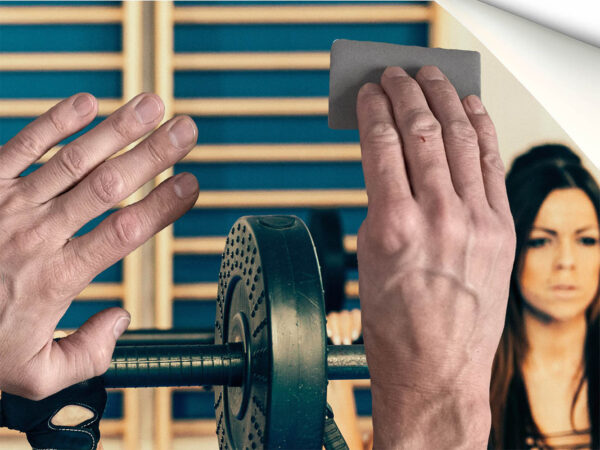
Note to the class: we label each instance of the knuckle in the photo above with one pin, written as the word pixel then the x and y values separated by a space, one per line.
pixel 123 128
pixel 385 244
pixel 400 230
pixel 441 88
pixel 107 185
pixel 453 229
pixel 487 129
pixel 26 192
pixel 422 123
pixel 381 134
pixel 71 161
pixel 493 163
pixel 449 217
pixel 407 85
pixel 57 121
pixel 125 229
pixel 460 132
pixel 374 104
pixel 95 357
pixel 157 155
pixel 29 238
pixel 408 227
pixel 100 360
pixel 28 143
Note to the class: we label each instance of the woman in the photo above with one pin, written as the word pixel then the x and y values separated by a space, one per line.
pixel 545 379
pixel 544 390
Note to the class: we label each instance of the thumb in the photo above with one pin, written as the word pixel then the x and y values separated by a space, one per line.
pixel 87 352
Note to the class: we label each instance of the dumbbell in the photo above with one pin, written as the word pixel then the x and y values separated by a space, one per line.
pixel 269 362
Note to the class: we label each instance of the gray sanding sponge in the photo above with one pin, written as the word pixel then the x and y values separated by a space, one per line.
pixel 354 63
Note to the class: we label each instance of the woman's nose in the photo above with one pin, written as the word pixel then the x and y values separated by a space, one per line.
pixel 565 259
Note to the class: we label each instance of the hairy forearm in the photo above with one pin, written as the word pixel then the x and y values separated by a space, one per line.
pixel 405 419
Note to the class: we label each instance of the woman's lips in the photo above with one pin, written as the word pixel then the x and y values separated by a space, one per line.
pixel 564 290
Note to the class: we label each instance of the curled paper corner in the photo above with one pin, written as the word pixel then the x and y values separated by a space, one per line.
pixel 575 18
pixel 561 74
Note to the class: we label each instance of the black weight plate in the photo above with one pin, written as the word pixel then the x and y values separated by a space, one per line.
pixel 326 229
pixel 271 298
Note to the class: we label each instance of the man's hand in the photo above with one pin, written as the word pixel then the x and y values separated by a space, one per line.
pixel 435 255
pixel 343 327
pixel 42 268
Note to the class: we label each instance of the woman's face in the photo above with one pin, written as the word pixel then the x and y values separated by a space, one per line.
pixel 561 268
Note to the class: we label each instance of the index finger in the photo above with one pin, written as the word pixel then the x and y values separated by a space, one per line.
pixel 381 150
pixel 58 123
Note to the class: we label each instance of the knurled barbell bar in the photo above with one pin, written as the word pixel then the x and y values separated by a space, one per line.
pixel 269 363
pixel 177 336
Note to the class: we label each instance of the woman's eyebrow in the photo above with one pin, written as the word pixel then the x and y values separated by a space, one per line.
pixel 554 233
pixel 547 230
pixel 589 227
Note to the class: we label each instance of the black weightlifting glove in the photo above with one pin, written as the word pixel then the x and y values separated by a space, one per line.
pixel 35 417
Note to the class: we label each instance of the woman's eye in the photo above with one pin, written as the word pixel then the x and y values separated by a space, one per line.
pixel 588 241
pixel 537 243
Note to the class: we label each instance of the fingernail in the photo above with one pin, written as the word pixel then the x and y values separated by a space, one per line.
pixel 121 326
pixel 147 110
pixel 431 73
pixel 83 105
pixel 329 333
pixel 336 340
pixel 347 341
pixel 355 335
pixel 393 72
pixel 182 133
pixel 185 185
pixel 475 105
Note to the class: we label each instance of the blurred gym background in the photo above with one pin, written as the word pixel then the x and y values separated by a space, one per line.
pixel 254 76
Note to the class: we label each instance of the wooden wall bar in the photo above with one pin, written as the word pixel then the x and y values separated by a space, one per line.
pixel 263 153
pixel 132 264
pixel 163 309
pixel 36 107
pixel 372 13
pixel 329 198
pixel 252 61
pixel 215 107
pixel 60 61
pixel 30 15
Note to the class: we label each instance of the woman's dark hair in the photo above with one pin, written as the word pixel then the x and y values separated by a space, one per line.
pixel 531 178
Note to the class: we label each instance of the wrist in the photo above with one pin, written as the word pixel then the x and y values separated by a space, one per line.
pixel 405 418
